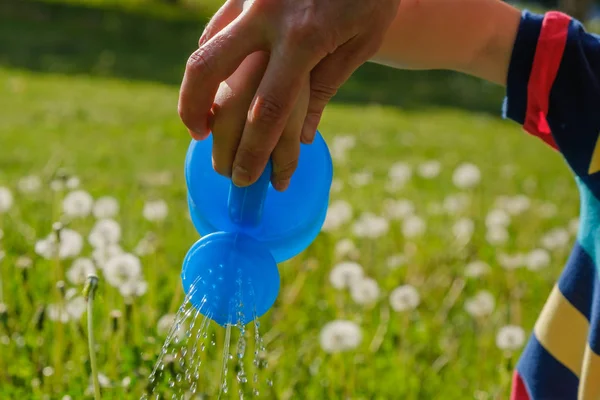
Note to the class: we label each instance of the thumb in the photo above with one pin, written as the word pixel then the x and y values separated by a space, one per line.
pixel 223 17
pixel 328 76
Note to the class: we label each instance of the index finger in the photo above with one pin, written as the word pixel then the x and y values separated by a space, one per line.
pixel 211 64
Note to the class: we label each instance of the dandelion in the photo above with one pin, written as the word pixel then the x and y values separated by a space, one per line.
pixel 476 269
pixel 364 291
pixel 371 226
pixel 338 214
pixel 78 204
pixel 69 245
pixel 466 176
pixel 105 232
pixel 339 336
pixel 413 227
pixel 336 185
pixel 497 218
pixel 480 305
pixel 340 145
pixel 395 261
pixel 101 255
pixel 29 184
pixel 75 307
pixel 57 313
pixel 456 203
pixel 156 210
pixel 23 262
pixel 79 271
pixel 496 235
pixel 165 323
pixel 537 259
pixel 398 209
pixel 72 182
pixel 404 298
pixel 346 248
pixel 463 230
pixel 510 262
pixel 429 169
pixel 361 178
pixel 556 239
pixel 510 338
pixel 6 199
pixel 48 371
pixel 548 210
pixel 122 269
pixel 133 288
pixel 105 207
pixel 345 274
pixel 146 245
pixel 400 173
pixel 515 205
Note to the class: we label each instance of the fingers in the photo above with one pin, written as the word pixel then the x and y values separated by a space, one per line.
pixel 327 77
pixel 208 66
pixel 267 117
pixel 226 14
pixel 231 109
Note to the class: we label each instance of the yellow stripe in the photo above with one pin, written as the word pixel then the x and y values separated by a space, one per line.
pixel 589 385
pixel 563 331
pixel 595 161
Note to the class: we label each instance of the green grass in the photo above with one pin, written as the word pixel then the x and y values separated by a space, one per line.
pixel 101 105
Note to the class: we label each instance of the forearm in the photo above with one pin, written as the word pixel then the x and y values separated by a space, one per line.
pixel 471 36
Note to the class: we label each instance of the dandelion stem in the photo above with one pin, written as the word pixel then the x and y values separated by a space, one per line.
pixel 89 292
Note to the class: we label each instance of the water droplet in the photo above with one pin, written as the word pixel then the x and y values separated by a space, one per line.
pixel 270 382
pixel 255 392
pixel 213 343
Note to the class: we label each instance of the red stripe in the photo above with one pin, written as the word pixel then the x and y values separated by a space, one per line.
pixel 548 54
pixel 519 391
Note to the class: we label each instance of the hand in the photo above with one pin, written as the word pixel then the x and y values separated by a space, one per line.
pixel 326 39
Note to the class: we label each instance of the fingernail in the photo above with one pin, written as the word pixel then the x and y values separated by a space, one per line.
pixel 240 176
pixel 282 184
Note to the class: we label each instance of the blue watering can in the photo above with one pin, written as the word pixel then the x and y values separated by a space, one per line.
pixel 230 275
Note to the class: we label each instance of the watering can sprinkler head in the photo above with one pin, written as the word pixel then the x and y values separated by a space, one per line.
pixel 231 274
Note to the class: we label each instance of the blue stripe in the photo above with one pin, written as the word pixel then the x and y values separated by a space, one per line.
pixel 577 281
pixel 544 376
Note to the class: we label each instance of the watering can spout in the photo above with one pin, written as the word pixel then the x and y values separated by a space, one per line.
pixel 246 204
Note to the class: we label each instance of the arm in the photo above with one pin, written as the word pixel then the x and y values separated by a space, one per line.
pixel 471 36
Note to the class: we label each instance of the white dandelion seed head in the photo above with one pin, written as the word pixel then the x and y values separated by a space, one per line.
pixel 396 260
pixel 413 226
pixel 497 218
pixel 429 169
pixel 336 186
pixel 29 184
pixel 510 338
pixel 476 269
pixel 101 255
pixel 547 210
pixel 480 305
pixel 370 226
pixel 456 203
pixel 6 199
pixel 537 259
pixel 497 235
pixel 573 226
pixel 466 176
pixel 146 245
pixel 340 145
pixel 105 232
pixel 510 262
pixel 133 288
pixel 340 336
pixel 80 269
pixel 166 322
pixel 346 248
pixel 23 262
pixel 338 214
pixel 365 291
pixel 155 210
pixel 105 207
pixel 463 230
pixel 57 313
pixel 78 204
pixel 404 298
pixel 398 209
pixel 72 182
pixel 400 173
pixel 69 245
pixel 122 269
pixel 514 205
pixel 57 185
pixel 75 307
pixel 361 178
pixel 345 274
pixel 556 239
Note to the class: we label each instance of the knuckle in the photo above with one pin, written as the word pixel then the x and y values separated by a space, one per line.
pixel 285 169
pixel 251 159
pixel 322 91
pixel 199 63
pixel 268 110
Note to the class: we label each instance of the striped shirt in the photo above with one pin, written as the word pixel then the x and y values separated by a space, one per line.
pixel 553 90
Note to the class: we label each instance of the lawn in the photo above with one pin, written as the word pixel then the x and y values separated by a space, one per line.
pixel 96 112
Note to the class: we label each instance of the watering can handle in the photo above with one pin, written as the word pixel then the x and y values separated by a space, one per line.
pixel 246 204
